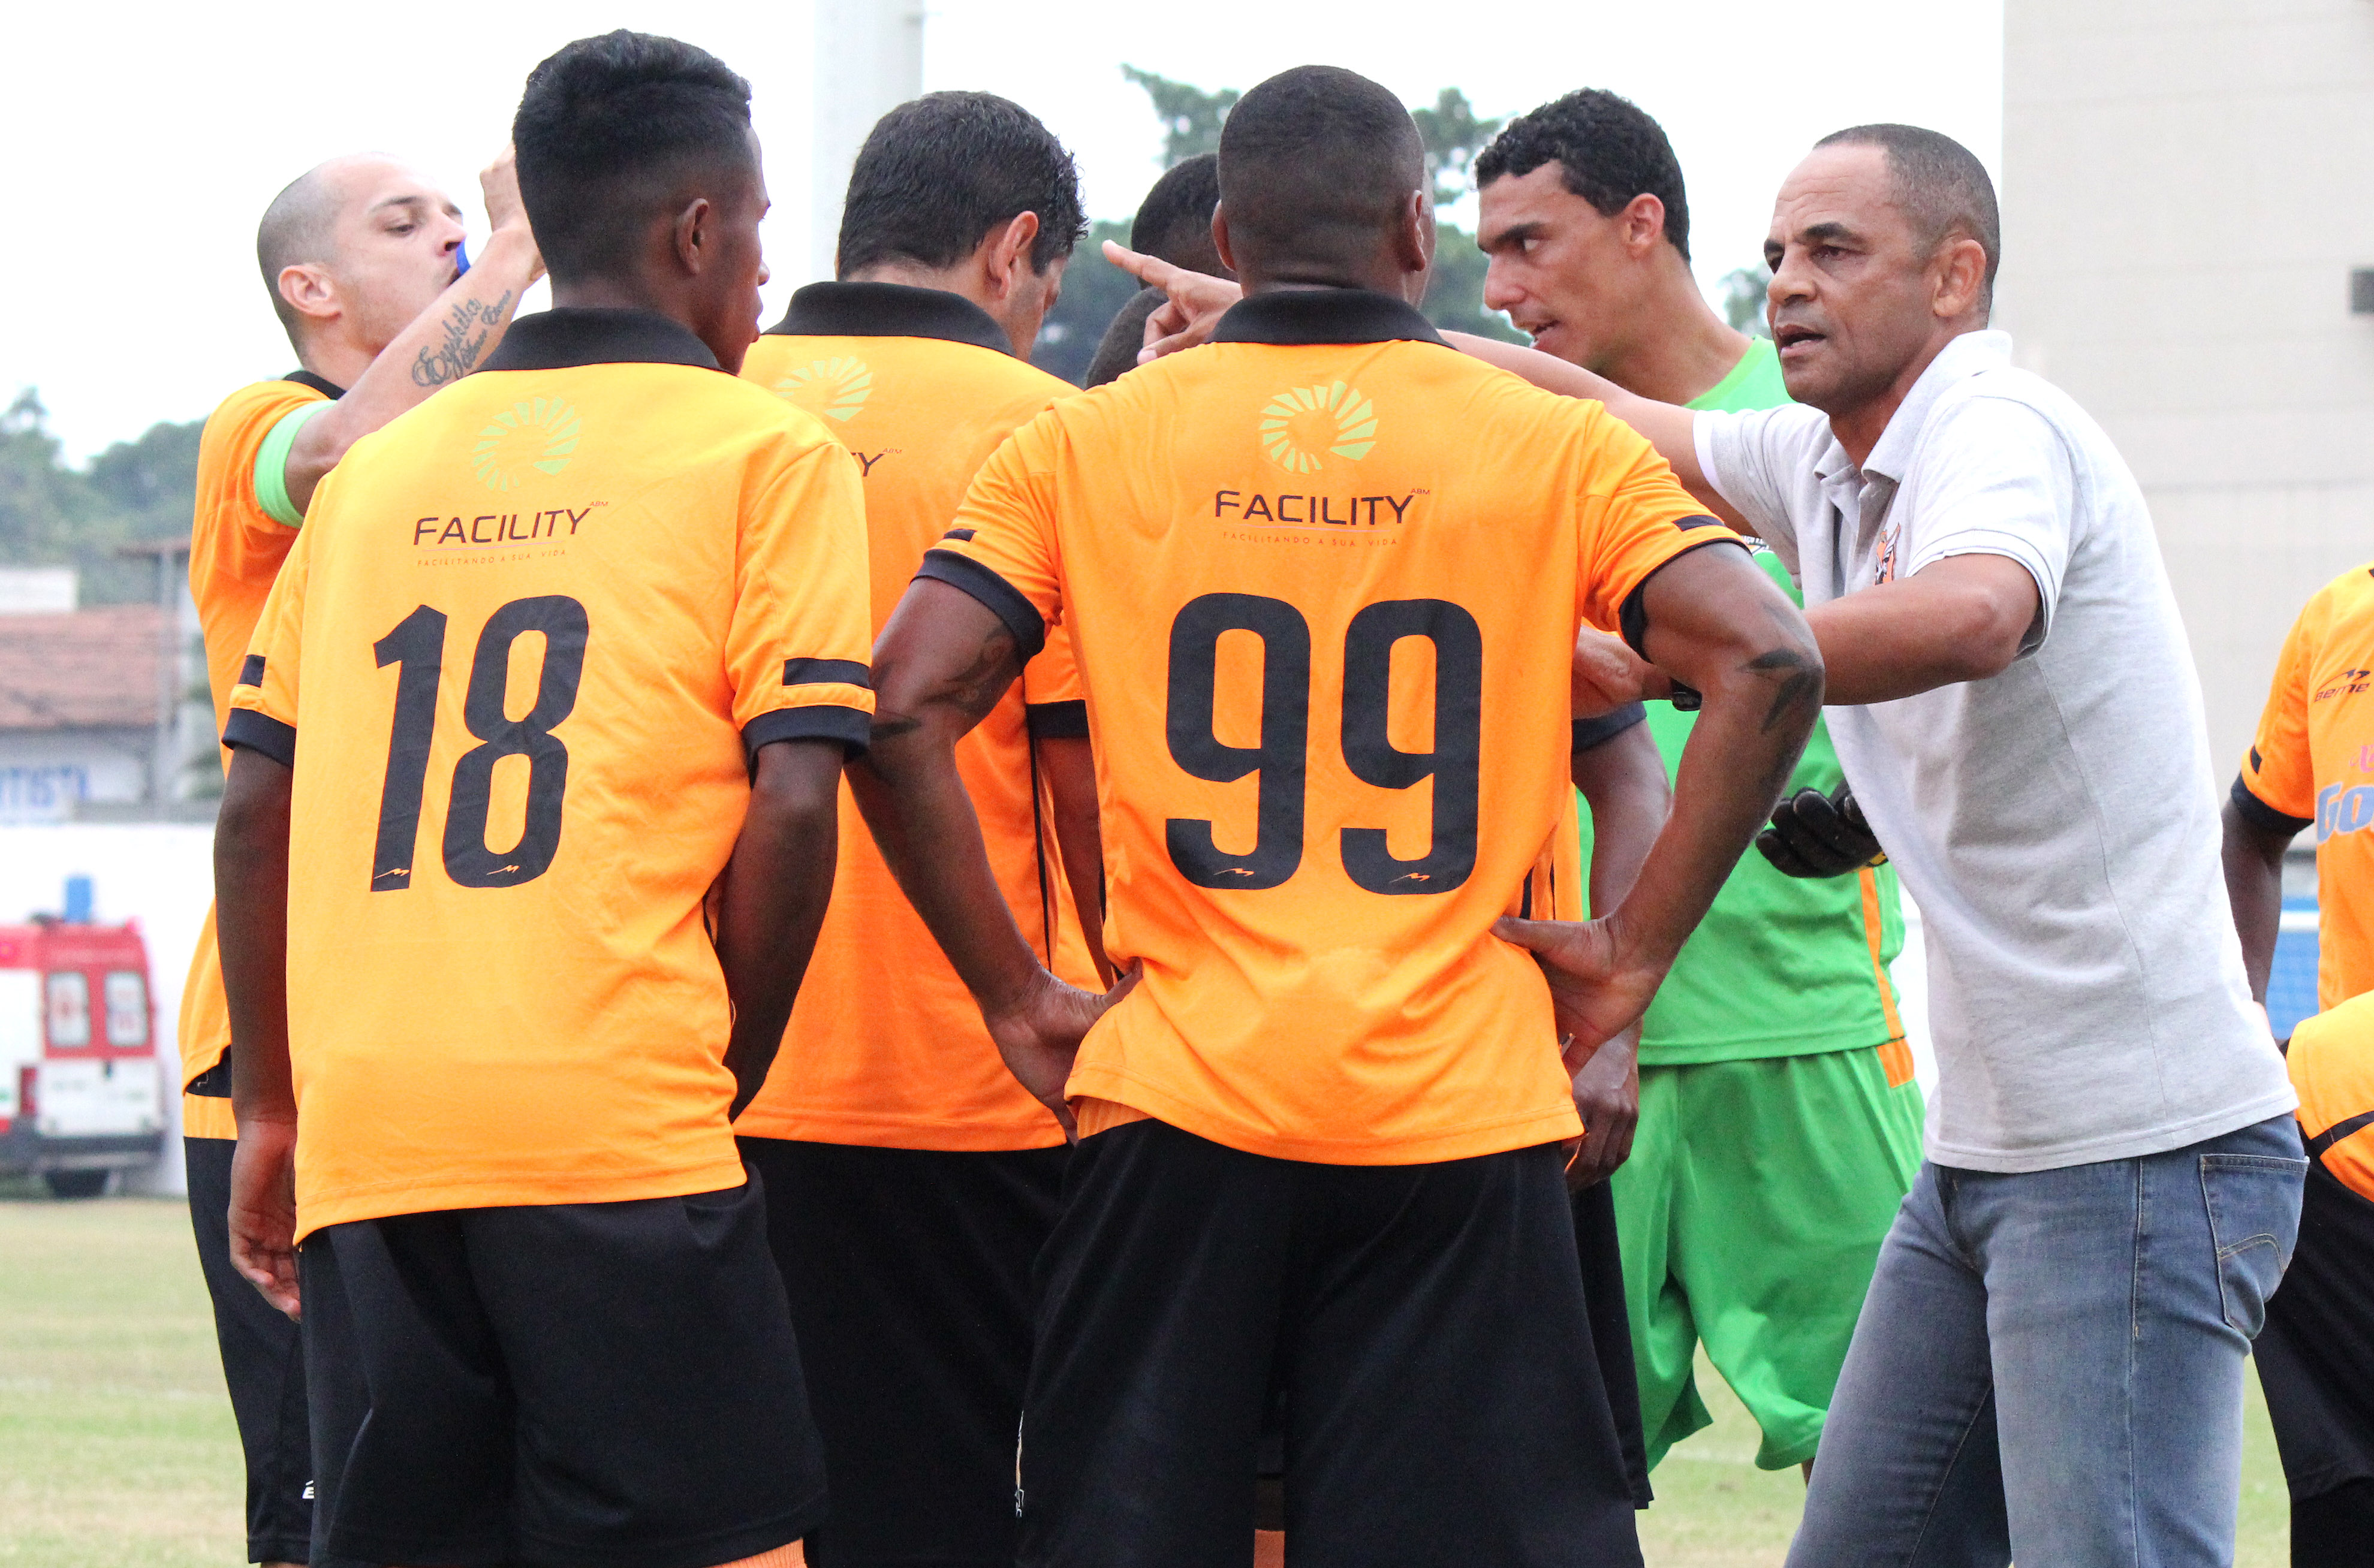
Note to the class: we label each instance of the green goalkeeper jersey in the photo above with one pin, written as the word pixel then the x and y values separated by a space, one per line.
pixel 1781 965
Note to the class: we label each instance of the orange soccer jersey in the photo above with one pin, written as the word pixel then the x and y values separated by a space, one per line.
pixel 1322 579
pixel 235 552
pixel 885 1046
pixel 2312 765
pixel 2331 1063
pixel 520 660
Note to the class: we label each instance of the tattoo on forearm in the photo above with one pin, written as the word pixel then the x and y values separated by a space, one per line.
pixel 467 328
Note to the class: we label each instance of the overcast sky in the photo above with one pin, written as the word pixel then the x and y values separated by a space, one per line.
pixel 143 141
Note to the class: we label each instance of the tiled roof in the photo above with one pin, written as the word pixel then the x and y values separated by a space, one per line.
pixel 86 669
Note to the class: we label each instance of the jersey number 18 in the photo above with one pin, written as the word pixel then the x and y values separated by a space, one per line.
pixel 416 646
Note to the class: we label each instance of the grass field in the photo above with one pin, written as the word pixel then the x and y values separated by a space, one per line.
pixel 116 1443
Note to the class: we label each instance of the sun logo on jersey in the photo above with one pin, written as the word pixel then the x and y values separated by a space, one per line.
pixel 835 389
pixel 1303 425
pixel 537 433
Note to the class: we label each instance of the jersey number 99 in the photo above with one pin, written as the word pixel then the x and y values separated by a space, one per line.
pixel 1368 751
pixel 416 646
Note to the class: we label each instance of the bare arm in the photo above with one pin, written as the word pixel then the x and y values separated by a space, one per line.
pixel 1719 623
pixel 1960 619
pixel 444 344
pixel 1071 768
pixel 1623 780
pixel 2253 856
pixel 252 935
pixel 1667 426
pixel 941 663
pixel 777 885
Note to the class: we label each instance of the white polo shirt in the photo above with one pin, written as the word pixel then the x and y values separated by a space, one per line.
pixel 2057 824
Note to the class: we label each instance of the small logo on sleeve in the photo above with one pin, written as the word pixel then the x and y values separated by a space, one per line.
pixel 1303 427
pixel 537 433
pixel 832 389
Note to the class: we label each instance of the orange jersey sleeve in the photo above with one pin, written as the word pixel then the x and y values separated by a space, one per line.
pixel 2279 768
pixel 800 636
pixel 1635 517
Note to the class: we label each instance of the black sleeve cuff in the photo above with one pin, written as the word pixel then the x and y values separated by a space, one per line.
pixel 262 733
pixel 2264 817
pixel 1590 732
pixel 1057 720
pixel 817 722
pixel 1633 619
pixel 962 572
pixel 823 672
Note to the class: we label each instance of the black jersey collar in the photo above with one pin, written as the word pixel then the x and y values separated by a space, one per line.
pixel 322 384
pixel 576 335
pixel 888 309
pixel 1324 315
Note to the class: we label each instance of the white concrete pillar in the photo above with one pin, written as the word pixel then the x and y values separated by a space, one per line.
pixel 869 58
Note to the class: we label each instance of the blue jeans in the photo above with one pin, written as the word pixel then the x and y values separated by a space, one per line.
pixel 2049 1367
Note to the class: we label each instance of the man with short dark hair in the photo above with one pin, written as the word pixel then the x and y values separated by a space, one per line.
pixel 362 258
pixel 911 1181
pixel 2049 1367
pixel 1780 1125
pixel 503 962
pixel 1174 222
pixel 1321 1127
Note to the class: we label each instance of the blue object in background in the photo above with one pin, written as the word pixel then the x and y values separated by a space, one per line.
pixel 2291 984
pixel 78 901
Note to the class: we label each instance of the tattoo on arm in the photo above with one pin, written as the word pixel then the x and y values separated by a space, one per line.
pixel 1801 685
pixel 468 329
pixel 972 691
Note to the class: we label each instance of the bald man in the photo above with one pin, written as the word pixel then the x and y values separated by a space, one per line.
pixel 363 260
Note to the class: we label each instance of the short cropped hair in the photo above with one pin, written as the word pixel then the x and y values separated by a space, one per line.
pixel 939 172
pixel 1315 164
pixel 297 230
pixel 1609 150
pixel 1940 183
pixel 1174 222
pixel 607 131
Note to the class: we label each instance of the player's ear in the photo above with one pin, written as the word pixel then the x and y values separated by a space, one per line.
pixel 1220 237
pixel 1960 269
pixel 1414 238
pixel 310 291
pixel 1004 250
pixel 1644 223
pixel 689 235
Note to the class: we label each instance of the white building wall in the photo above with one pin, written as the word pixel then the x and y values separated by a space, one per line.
pixel 2187 185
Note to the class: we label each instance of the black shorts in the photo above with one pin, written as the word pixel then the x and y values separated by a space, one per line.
pixel 2316 1353
pixel 1611 1328
pixel 1443 1402
pixel 562 1385
pixel 909 1277
pixel 264 1363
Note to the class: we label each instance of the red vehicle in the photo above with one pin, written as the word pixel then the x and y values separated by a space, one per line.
pixel 79 1091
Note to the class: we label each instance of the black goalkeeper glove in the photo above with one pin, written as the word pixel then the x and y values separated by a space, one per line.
pixel 1814 835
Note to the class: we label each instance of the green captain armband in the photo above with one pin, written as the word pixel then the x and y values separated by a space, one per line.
pixel 271 464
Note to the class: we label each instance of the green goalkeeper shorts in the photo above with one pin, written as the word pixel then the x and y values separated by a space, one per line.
pixel 1750 1215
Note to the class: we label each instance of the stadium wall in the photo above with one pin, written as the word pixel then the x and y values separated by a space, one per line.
pixel 2188 187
